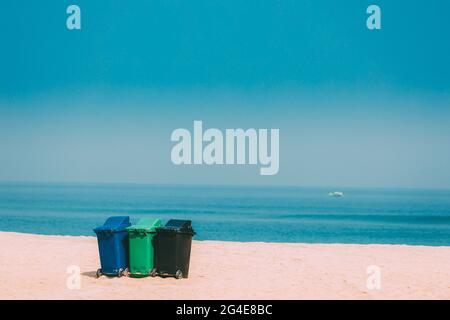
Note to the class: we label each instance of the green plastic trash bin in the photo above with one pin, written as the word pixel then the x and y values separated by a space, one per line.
pixel 141 248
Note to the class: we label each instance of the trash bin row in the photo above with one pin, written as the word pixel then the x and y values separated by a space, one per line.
pixel 146 248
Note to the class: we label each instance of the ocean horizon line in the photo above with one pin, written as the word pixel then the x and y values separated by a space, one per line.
pixel 207 185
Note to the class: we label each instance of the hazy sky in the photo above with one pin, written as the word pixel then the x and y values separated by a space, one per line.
pixel 354 107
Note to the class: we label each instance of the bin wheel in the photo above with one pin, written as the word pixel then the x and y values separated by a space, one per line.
pixel 99 273
pixel 120 273
pixel 179 274
pixel 153 273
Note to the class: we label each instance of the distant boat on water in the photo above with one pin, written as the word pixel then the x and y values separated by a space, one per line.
pixel 336 194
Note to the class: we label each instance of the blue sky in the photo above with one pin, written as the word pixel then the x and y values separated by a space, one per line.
pixel 354 107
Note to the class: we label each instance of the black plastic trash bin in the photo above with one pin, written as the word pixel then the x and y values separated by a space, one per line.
pixel 173 249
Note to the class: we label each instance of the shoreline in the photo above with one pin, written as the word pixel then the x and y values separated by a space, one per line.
pixel 38 267
pixel 250 242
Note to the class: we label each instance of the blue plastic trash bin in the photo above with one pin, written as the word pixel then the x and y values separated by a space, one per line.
pixel 112 239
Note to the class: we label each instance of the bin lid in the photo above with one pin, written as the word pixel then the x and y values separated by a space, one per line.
pixel 114 224
pixel 146 224
pixel 176 225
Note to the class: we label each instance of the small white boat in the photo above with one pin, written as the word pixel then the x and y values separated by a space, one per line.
pixel 336 194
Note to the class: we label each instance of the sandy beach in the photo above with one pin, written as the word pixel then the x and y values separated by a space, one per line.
pixel 36 267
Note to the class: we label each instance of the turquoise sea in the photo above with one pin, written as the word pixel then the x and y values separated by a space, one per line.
pixel 281 214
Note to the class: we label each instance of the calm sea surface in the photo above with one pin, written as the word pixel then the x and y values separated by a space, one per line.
pixel 236 213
